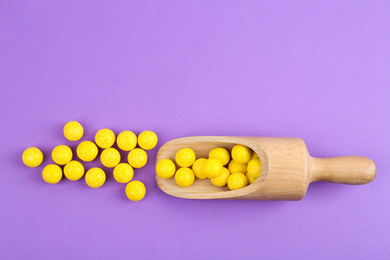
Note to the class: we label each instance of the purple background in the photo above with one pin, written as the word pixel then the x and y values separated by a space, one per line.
pixel 319 71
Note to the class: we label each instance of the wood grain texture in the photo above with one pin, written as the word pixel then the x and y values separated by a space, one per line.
pixel 287 168
pixel 343 169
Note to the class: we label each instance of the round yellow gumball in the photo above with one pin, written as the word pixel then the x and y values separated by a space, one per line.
pixel 135 190
pixel 197 168
pixel 221 154
pixel 221 180
pixel 237 167
pixel 254 156
pixel 73 131
pixel 250 179
pixel 165 169
pixel 241 154
pixel 95 177
pixel 52 173
pixel 87 151
pixel 32 157
pixel 254 168
pixel 137 158
pixel 237 180
pixel 126 140
pixel 105 138
pixel 185 157
pixel 110 157
pixel 212 168
pixel 184 177
pixel 123 173
pixel 74 170
pixel 62 154
pixel 147 140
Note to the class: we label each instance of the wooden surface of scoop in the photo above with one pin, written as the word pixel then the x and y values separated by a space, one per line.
pixel 287 169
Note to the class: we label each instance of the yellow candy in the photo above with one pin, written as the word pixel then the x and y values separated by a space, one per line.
pixel 74 170
pixel 237 167
pixel 221 154
pixel 32 157
pixel 165 169
pixel 110 157
pixel 135 190
pixel 105 138
pixel 237 180
pixel 123 173
pixel 62 154
pixel 147 140
pixel 126 140
pixel 250 179
pixel 212 168
pixel 254 156
pixel 254 168
pixel 184 177
pixel 87 151
pixel 197 168
pixel 137 158
pixel 95 177
pixel 185 157
pixel 73 131
pixel 241 154
pixel 52 173
pixel 221 180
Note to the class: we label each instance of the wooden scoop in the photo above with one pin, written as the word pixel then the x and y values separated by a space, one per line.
pixel 287 169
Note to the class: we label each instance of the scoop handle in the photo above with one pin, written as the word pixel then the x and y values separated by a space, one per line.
pixel 343 169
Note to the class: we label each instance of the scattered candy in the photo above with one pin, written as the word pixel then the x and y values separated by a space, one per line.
pixel 74 170
pixel 137 158
pixel 126 140
pixel 244 167
pixel 123 173
pixel 73 131
pixel 95 177
pixel 135 190
pixel 52 173
pixel 147 140
pixel 165 169
pixel 185 157
pixel 32 157
pixel 87 151
pixel 105 138
pixel 110 157
pixel 184 177
pixel 62 154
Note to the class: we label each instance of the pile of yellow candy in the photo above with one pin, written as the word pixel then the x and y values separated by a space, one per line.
pixel 243 168
pixel 87 151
